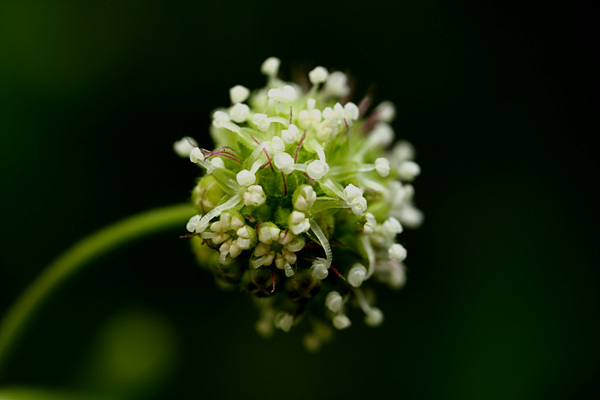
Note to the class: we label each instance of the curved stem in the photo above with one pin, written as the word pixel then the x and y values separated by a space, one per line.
pixel 79 255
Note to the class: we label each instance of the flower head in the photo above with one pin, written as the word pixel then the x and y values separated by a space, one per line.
pixel 302 201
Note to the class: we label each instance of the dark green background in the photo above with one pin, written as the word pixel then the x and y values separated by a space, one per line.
pixel 502 296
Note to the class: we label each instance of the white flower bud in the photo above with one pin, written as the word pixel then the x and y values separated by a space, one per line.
pixel 299 223
pixel 261 121
pixel 276 145
pixel 283 321
pixel 285 94
pixel 386 111
pixel 374 317
pixel 270 66
pixel 397 252
pixel 408 170
pixel 184 147
pixel 217 162
pixel 220 118
pixel 238 94
pixel 391 227
pixel 341 321
pixel 337 84
pixel 382 166
pixel 239 112
pixel 357 275
pixel 245 178
pixel 255 196
pixel 318 75
pixel 369 226
pixel 317 169
pixel 193 223
pixel 318 269
pixel 334 301
pixel 290 135
pixel 382 135
pixel 196 155
pixel 284 162
pixel 268 232
pixel 351 112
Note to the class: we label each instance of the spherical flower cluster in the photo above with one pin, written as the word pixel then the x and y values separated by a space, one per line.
pixel 302 201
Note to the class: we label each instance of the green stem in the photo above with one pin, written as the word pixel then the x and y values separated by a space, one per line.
pixel 79 255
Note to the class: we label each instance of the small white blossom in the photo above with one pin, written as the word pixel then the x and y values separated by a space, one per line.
pixel 374 317
pixel 261 121
pixel 382 135
pixel 351 112
pixel 284 321
pixel 193 223
pixel 309 118
pixel 238 94
pixel 386 111
pixel 276 145
pixel 382 166
pixel 285 94
pixel 318 75
pixel 408 170
pixel 319 269
pixel 217 162
pixel 397 252
pixel 255 196
pixel 357 275
pixel 391 227
pixel 337 84
pixel 268 232
pixel 299 223
pixel 245 177
pixel 184 146
pixel 369 226
pixel 334 301
pixel 284 162
pixel 355 199
pixel 220 118
pixel 196 155
pixel 290 135
pixel 270 66
pixel 305 198
pixel 341 321
pixel 317 169
pixel 239 112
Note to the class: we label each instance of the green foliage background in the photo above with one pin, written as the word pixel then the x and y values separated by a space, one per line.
pixel 501 301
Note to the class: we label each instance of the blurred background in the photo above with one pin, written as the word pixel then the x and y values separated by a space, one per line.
pixel 502 293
